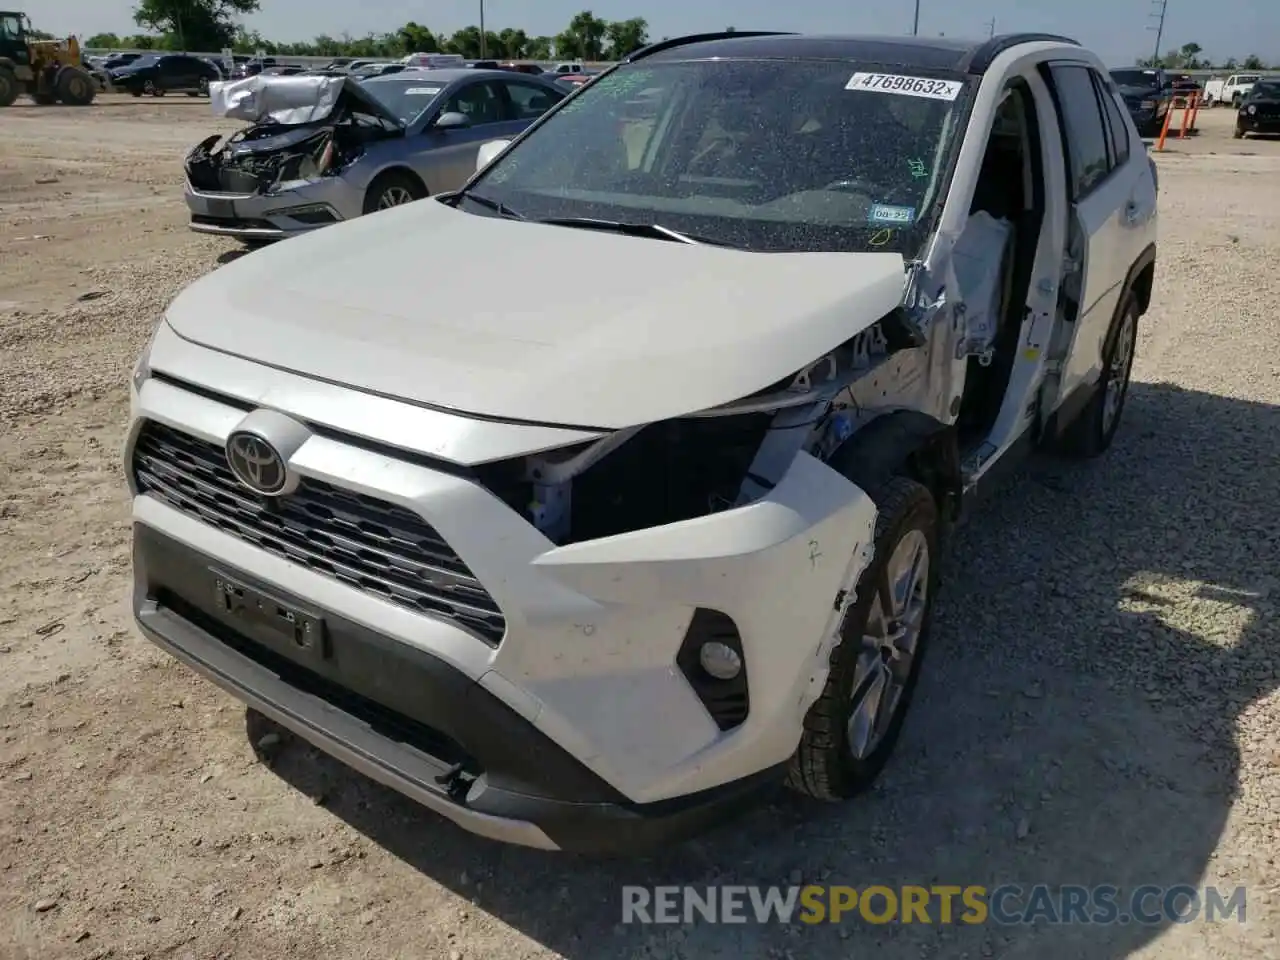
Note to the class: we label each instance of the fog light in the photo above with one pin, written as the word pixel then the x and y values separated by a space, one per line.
pixel 719 660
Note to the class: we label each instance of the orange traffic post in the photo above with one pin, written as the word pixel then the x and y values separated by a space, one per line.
pixel 1195 109
pixel 1186 115
pixel 1164 130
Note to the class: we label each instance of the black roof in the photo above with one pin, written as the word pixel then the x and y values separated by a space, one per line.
pixel 928 53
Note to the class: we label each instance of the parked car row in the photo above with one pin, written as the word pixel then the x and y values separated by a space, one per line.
pixel 1259 109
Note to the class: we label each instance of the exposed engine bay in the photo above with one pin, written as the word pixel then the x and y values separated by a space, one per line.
pixel 679 469
pixel 273 152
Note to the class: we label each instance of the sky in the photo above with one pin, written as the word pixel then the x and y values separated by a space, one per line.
pixel 1117 30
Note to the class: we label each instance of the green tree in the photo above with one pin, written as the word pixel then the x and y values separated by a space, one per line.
pixel 1252 62
pixel 513 44
pixel 626 37
pixel 1189 56
pixel 193 24
pixel 583 39
pixel 1230 63
pixel 415 38
pixel 103 41
pixel 539 48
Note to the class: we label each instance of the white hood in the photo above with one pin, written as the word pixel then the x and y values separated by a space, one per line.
pixel 535 323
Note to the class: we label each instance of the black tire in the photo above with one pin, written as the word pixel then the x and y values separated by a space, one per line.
pixel 1091 433
pixel 392 183
pixel 9 87
pixel 202 88
pixel 1237 134
pixel 75 87
pixel 135 92
pixel 44 99
pixel 824 765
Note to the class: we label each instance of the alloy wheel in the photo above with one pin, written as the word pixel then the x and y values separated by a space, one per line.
pixel 1118 371
pixel 394 197
pixel 889 643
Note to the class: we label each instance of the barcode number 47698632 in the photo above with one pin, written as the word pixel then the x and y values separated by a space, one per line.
pixel 909 86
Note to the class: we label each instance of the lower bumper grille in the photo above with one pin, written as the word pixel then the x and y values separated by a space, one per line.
pixel 373 545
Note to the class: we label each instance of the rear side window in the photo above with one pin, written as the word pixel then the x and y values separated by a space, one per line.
pixel 529 101
pixel 1115 122
pixel 1087 136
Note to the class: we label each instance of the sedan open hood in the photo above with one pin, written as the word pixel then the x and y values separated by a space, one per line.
pixel 292 99
pixel 534 323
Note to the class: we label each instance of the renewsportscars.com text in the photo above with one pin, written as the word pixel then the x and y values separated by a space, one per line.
pixel 1008 904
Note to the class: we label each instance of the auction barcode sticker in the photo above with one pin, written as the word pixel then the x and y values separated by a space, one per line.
pixel 908 86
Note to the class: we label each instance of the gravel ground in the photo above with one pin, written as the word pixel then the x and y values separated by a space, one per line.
pixel 1100 706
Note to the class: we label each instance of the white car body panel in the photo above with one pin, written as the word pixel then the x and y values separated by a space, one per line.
pixel 592 628
pixel 607 347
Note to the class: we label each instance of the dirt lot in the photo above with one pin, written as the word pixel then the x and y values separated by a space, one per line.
pixel 1100 707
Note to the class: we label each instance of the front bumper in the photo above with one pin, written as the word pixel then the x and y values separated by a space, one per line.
pixel 588 734
pixel 1264 123
pixel 333 707
pixel 271 216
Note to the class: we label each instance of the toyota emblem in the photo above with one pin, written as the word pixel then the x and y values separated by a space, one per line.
pixel 256 463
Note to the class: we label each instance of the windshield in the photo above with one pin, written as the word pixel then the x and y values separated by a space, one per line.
pixel 406 98
pixel 761 154
pixel 1270 89
pixel 1136 78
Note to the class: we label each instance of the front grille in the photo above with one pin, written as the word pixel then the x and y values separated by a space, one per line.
pixel 378 547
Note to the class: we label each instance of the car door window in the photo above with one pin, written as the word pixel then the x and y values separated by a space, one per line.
pixel 1117 128
pixel 479 102
pixel 1087 136
pixel 528 101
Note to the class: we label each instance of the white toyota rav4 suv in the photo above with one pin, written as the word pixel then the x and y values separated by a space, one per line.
pixel 594 500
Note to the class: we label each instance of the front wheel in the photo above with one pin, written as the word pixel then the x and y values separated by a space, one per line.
pixel 851 729
pixel 1237 134
pixel 393 189
pixel 9 88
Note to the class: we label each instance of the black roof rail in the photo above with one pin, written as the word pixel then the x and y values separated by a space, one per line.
pixel 671 42
pixel 982 56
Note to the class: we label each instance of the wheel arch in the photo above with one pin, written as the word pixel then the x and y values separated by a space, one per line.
pixel 1141 277
pixel 905 443
pixel 398 168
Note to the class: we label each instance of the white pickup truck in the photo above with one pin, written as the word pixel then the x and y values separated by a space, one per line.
pixel 1231 90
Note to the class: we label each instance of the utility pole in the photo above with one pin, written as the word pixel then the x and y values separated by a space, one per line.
pixel 484 50
pixel 915 26
pixel 1158 12
pixel 991 27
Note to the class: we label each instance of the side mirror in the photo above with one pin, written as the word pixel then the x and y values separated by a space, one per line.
pixel 488 151
pixel 451 121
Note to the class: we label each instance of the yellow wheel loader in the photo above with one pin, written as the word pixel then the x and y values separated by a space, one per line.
pixel 48 71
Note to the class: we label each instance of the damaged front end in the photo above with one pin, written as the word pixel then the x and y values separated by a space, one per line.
pixel 288 144
pixel 680 469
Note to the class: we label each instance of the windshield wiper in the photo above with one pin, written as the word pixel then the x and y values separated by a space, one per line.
pixel 496 205
pixel 654 230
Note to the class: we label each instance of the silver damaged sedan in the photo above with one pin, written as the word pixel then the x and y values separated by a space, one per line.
pixel 322 149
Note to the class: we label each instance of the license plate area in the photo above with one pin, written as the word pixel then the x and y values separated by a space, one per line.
pixel 221 209
pixel 284 626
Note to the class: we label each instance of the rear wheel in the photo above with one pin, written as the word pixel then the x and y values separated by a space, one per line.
pixel 74 87
pixel 9 87
pixel 851 730
pixel 393 189
pixel 202 88
pixel 1092 432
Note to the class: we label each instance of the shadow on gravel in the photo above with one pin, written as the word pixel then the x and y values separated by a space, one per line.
pixel 1074 725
